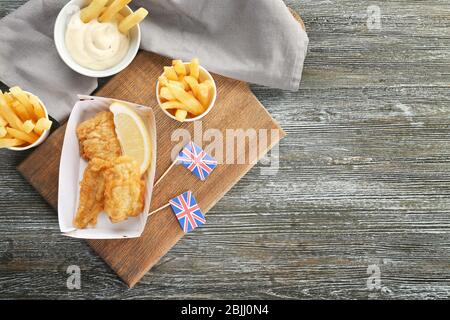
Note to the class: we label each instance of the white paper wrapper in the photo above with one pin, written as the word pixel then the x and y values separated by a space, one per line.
pixel 72 168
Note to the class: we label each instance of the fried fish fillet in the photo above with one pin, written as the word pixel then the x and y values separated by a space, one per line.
pixel 98 138
pixel 124 189
pixel 92 191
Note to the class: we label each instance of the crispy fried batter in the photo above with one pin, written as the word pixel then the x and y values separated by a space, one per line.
pixel 124 190
pixel 98 138
pixel 92 190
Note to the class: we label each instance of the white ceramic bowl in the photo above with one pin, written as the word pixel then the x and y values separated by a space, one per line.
pixel 203 75
pixel 60 32
pixel 43 136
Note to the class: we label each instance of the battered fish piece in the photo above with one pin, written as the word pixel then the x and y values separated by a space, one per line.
pixel 92 191
pixel 98 138
pixel 124 189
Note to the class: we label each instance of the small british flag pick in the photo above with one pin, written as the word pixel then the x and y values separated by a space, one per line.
pixel 196 160
pixel 187 211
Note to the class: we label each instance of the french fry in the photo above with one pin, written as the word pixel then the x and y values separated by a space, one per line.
pixel 195 107
pixel 181 115
pixel 180 68
pixel 119 18
pixel 174 104
pixel 163 81
pixel 3 122
pixel 21 111
pixel 179 84
pixel 193 84
pixel 37 107
pixel 9 98
pixel 8 143
pixel 3 132
pixel 174 62
pixel 194 70
pixel 113 9
pixel 204 95
pixel 132 20
pixel 211 88
pixel 8 114
pixel 22 97
pixel 21 135
pixel 42 125
pixel 93 10
pixel 165 94
pixel 170 73
pixel 29 126
pixel 185 84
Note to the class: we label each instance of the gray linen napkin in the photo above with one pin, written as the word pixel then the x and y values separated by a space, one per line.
pixel 256 41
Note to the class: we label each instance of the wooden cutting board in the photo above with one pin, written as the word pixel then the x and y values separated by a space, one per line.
pixel 236 108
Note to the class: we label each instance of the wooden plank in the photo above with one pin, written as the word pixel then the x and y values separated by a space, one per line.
pixel 236 108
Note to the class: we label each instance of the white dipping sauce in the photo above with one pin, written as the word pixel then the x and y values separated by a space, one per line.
pixel 95 45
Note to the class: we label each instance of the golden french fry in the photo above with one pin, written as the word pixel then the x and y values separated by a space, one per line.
pixel 181 115
pixel 9 98
pixel 203 95
pixel 20 110
pixel 211 88
pixel 28 126
pixel 8 114
pixel 42 125
pixel 170 74
pixel 180 68
pixel 163 81
pixel 37 107
pixel 93 10
pixel 179 84
pixel 22 97
pixel 132 20
pixel 3 122
pixel 3 132
pixel 8 143
pixel 174 104
pixel 119 18
pixel 193 84
pixel 113 9
pixel 194 70
pixel 21 135
pixel 174 62
pixel 195 107
pixel 185 84
pixel 165 93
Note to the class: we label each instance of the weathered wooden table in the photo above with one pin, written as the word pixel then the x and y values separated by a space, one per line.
pixel 363 186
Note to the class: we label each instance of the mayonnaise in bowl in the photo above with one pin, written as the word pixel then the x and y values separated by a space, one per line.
pixel 95 45
pixel 92 54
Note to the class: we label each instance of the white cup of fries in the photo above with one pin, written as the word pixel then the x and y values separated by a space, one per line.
pixel 94 10
pixel 24 121
pixel 183 109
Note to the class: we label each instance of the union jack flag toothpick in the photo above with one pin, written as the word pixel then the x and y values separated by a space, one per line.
pixel 196 160
pixel 187 211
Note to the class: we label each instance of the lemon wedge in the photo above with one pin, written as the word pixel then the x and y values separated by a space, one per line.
pixel 132 134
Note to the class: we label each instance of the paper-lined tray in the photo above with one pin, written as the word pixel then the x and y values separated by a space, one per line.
pixel 72 167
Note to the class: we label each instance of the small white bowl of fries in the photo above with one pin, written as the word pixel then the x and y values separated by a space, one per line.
pixel 106 39
pixel 186 91
pixel 24 122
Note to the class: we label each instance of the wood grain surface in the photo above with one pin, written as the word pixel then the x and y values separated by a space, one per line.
pixel 363 180
pixel 236 108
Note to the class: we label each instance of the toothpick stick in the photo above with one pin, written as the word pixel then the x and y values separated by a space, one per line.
pixel 165 173
pixel 157 210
